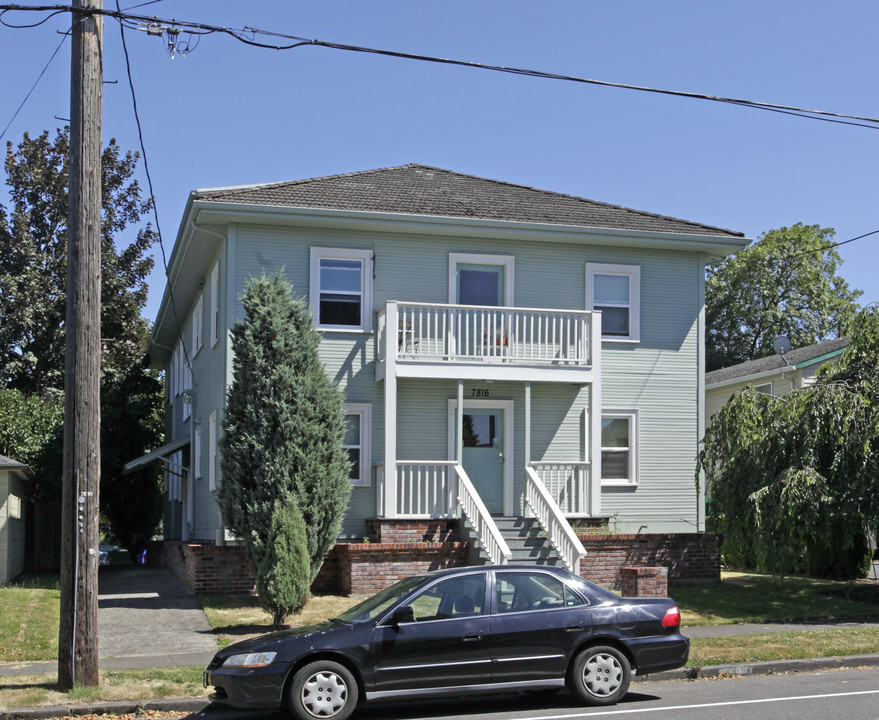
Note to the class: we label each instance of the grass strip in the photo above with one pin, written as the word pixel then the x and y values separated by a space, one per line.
pixel 22 691
pixel 783 646
pixel 29 621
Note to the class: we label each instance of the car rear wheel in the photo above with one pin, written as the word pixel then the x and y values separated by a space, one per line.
pixel 600 675
pixel 323 689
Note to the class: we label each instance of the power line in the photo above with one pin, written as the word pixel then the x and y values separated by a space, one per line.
pixel 832 245
pixel 248 36
pixel 33 87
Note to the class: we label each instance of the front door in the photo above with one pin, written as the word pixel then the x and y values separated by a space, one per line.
pixel 487 434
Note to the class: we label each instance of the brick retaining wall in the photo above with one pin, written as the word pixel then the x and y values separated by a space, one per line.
pixel 644 582
pixel 689 557
pixel 363 568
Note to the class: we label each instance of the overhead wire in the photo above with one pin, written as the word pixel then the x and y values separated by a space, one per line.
pixel 33 87
pixel 248 35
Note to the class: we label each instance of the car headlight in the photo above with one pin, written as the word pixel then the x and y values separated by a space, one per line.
pixel 248 660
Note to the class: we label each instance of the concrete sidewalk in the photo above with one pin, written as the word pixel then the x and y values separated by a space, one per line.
pixel 145 619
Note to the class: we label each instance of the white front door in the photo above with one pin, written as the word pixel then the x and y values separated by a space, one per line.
pixel 487 450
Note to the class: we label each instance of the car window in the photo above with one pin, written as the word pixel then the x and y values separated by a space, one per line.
pixel 374 606
pixel 452 598
pixel 518 591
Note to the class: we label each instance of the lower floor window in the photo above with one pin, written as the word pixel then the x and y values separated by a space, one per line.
pixel 619 446
pixel 358 421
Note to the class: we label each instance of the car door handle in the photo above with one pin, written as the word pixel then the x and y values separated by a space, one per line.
pixel 573 628
pixel 469 638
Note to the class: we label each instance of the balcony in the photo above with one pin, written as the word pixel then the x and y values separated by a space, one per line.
pixel 483 342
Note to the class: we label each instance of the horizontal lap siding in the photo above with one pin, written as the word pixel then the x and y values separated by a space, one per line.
pixel 658 376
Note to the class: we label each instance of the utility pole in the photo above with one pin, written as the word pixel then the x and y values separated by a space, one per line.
pixel 78 631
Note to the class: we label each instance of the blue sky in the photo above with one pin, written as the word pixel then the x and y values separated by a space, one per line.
pixel 229 114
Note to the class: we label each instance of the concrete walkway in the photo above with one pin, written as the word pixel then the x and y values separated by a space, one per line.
pixel 145 619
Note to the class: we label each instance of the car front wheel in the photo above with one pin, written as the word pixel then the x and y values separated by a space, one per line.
pixel 323 689
pixel 600 675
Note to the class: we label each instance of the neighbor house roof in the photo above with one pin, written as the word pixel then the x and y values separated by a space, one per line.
pixel 422 190
pixel 10 464
pixel 799 358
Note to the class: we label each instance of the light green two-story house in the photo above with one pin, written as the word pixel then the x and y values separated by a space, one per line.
pixel 504 351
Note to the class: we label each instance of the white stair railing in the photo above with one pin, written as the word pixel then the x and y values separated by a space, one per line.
pixel 477 514
pixel 568 485
pixel 558 530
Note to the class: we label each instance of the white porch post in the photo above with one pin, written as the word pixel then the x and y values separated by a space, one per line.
pixel 459 430
pixel 595 417
pixel 390 490
pixel 527 423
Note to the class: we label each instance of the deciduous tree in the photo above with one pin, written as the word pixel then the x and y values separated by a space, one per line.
pixel 785 283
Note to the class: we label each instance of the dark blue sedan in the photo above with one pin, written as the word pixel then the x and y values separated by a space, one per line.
pixel 466 630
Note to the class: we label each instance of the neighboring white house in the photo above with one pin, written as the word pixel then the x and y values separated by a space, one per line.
pixel 14 479
pixel 503 350
pixel 773 375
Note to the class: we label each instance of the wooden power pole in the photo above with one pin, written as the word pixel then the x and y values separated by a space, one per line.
pixel 78 631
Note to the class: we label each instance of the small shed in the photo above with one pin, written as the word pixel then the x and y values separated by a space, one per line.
pixel 14 479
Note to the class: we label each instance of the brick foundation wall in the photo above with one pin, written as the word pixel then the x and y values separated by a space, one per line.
pixel 209 568
pixel 412 531
pixel 644 581
pixel 688 557
pixel 374 566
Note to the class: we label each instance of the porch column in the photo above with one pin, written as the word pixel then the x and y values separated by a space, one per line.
pixel 527 423
pixel 459 430
pixel 390 489
pixel 594 448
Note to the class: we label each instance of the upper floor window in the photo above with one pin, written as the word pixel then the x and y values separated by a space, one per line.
pixel 197 325
pixel 341 288
pixel 619 447
pixel 615 290
pixel 358 421
pixel 481 279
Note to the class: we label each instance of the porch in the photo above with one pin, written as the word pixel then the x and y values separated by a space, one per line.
pixel 514 346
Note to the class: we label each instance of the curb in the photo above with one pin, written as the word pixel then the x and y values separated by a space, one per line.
pixel 194 705
pixel 120 707
pixel 772 667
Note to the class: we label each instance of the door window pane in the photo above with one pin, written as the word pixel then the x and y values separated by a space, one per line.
pixel 480 431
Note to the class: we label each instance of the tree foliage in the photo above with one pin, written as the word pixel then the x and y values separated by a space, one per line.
pixel 27 425
pixel 795 479
pixel 786 283
pixel 33 289
pixel 33 263
pixel 285 571
pixel 283 426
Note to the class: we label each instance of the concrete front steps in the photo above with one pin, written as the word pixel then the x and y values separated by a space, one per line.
pixel 526 540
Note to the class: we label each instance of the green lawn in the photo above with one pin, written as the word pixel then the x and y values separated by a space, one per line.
pixel 751 598
pixel 29 620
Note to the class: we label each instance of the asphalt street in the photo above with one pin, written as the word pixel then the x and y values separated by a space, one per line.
pixel 849 694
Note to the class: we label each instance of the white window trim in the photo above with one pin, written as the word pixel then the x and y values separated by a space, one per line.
pixel 197 325
pixel 196 452
pixel 212 451
pixel 633 417
pixel 364 412
pixel 633 272
pixel 187 388
pixel 508 261
pixel 215 304
pixel 764 388
pixel 362 256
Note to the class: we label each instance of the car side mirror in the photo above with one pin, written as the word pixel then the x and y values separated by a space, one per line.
pixel 402 615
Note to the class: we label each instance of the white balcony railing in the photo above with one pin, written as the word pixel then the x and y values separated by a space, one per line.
pixel 435 333
pixel 558 530
pixel 485 528
pixel 567 484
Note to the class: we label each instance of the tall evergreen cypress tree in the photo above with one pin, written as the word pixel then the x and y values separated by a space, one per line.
pixel 284 425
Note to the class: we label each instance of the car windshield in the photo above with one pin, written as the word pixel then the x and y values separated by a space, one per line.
pixel 374 606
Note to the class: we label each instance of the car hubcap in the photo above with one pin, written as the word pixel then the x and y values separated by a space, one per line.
pixel 324 694
pixel 602 675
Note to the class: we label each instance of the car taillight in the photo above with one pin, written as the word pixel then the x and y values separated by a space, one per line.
pixel 672 617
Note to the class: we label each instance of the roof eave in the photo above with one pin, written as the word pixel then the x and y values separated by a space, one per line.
pixel 219 213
